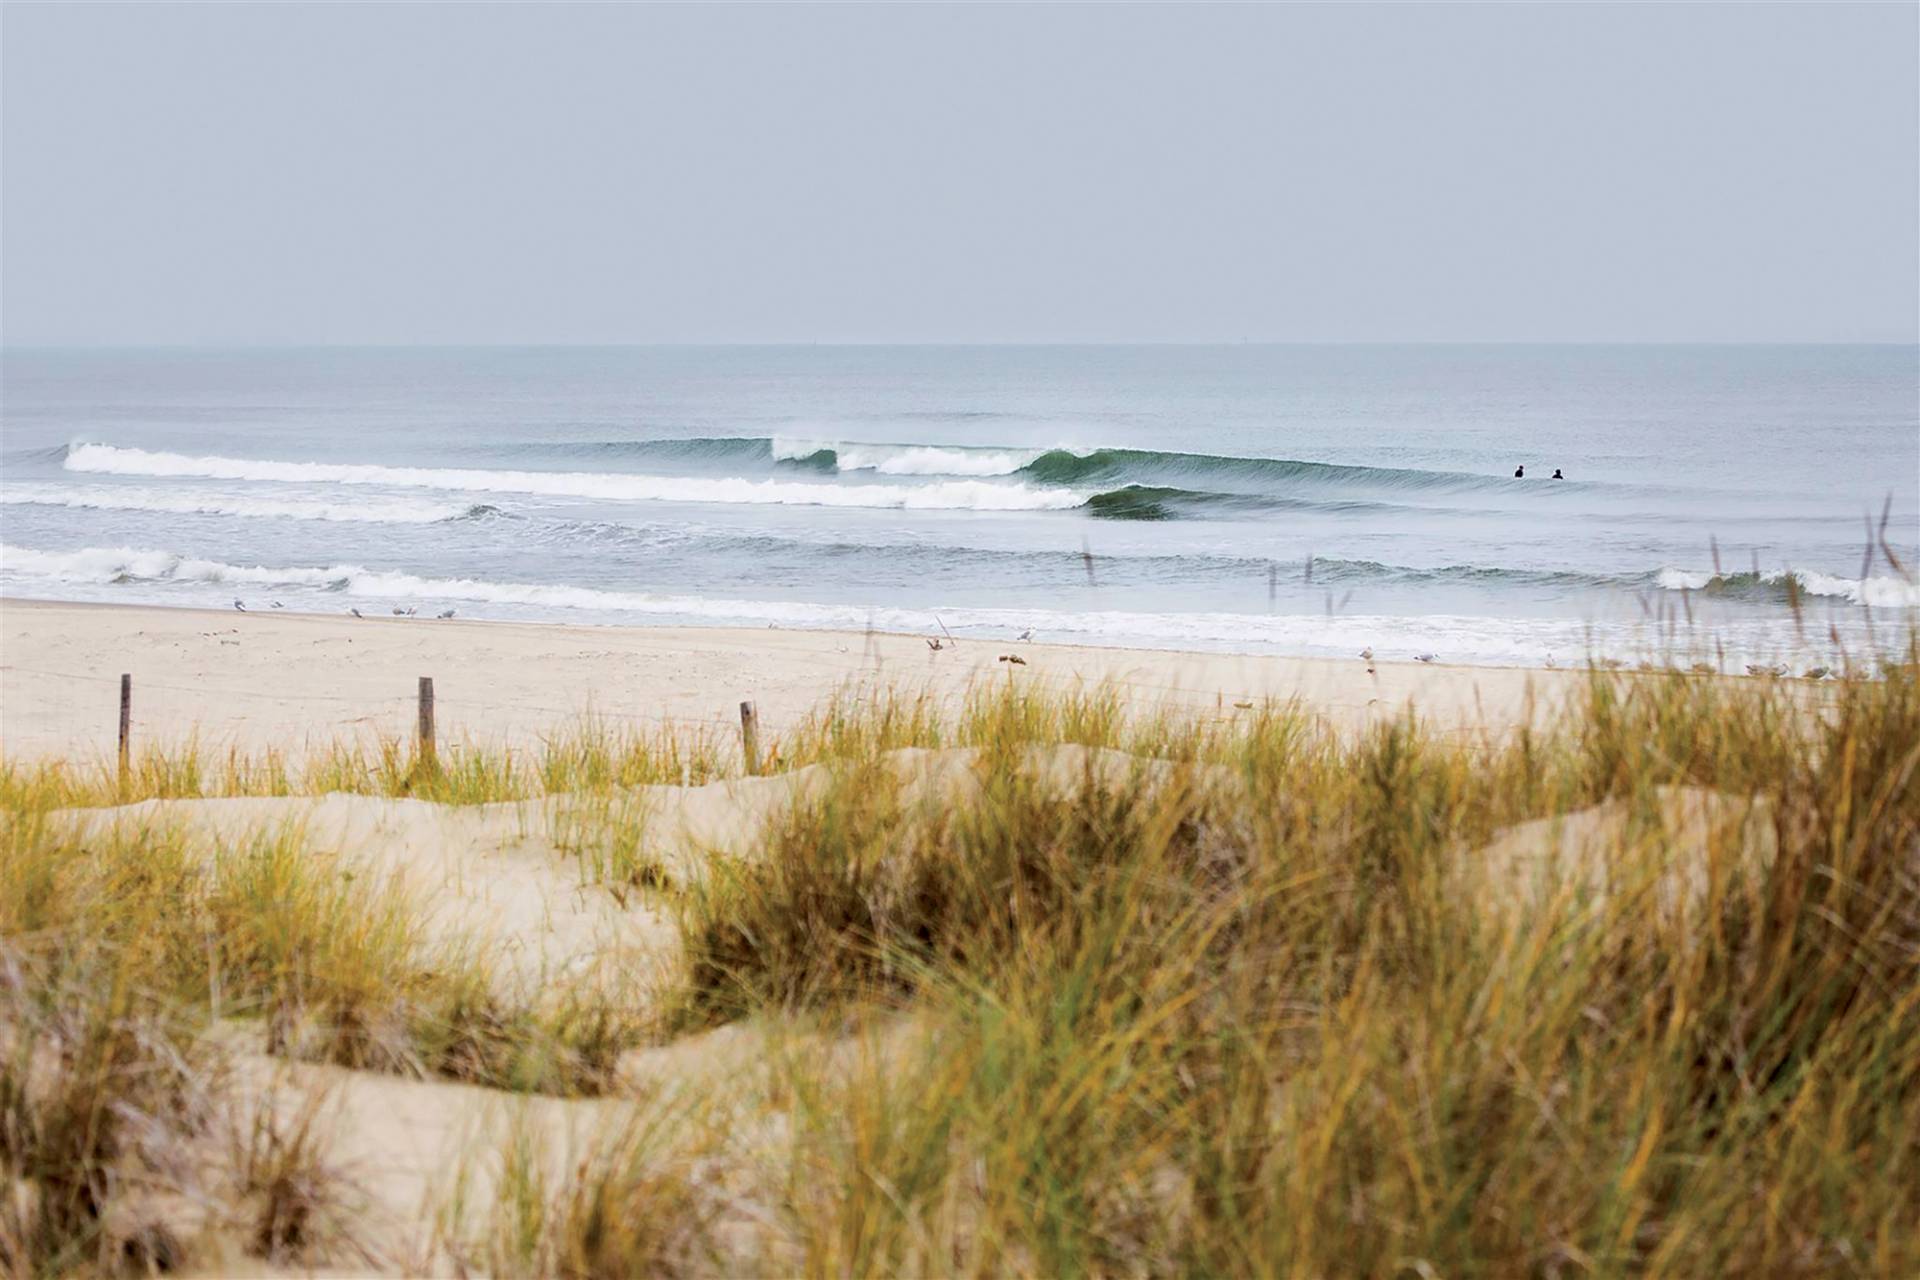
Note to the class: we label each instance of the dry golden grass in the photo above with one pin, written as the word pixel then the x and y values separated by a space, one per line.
pixel 1260 1017
pixel 1250 999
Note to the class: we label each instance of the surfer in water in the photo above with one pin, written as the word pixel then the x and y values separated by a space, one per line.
pixel 1520 472
pixel 1557 475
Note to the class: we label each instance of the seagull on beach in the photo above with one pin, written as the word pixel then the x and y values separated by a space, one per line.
pixel 1367 653
pixel 1027 634
pixel 241 607
pixel 398 612
pixel 1423 657
pixel 278 605
pixel 356 613
pixel 444 616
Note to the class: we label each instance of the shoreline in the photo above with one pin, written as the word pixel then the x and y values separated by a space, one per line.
pixel 280 680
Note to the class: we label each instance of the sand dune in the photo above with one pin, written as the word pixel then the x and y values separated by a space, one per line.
pixel 494 875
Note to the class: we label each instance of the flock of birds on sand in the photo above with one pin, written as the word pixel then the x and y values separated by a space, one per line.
pixel 398 611
pixel 934 643
pixel 1366 656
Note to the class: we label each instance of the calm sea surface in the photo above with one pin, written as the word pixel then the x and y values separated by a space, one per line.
pixel 1260 499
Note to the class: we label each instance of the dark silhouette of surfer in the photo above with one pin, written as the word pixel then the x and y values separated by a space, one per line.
pixel 1557 475
pixel 1519 472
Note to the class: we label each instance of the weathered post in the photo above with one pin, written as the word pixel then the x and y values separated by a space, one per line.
pixel 126 724
pixel 427 753
pixel 750 736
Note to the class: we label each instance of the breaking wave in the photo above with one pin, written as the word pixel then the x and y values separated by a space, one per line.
pixel 1145 466
pixel 1784 585
pixel 1127 502
pixel 974 495
pixel 1056 466
pixel 903 459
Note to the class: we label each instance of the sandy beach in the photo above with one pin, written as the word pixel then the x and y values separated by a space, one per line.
pixel 281 679
pixel 978 640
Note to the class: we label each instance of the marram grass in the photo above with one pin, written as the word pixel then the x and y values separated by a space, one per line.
pixel 1185 997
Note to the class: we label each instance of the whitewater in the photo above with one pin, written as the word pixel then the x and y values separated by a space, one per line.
pixel 1755 503
pixel 961 494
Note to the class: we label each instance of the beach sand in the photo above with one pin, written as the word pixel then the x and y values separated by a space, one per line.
pixel 285 680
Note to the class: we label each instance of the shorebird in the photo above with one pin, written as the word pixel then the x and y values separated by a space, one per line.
pixel 1423 657
pixel 398 612
pixel 411 611
pixel 1014 658
pixel 935 645
pixel 278 605
pixel 1756 669
pixel 356 613
pixel 1367 653
pixel 1027 634
pixel 1819 673
pixel 241 607
pixel 444 616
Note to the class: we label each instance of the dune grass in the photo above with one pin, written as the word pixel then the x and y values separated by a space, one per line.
pixel 336 967
pixel 1257 1012
pixel 588 756
pixel 1225 996
pixel 591 755
pixel 101 1083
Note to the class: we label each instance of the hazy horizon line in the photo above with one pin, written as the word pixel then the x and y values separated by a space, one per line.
pixel 795 344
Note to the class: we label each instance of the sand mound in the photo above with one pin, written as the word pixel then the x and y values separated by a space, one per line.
pixel 518 877
pixel 1696 837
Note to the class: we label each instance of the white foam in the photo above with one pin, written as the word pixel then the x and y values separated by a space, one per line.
pixel 124 564
pixel 1877 592
pixel 910 460
pixel 1457 639
pixel 98 499
pixel 964 495
pixel 1684 579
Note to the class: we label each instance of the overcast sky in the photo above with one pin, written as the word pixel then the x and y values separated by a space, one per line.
pixel 425 173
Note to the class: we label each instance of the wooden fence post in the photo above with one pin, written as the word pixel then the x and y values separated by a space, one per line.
pixel 750 736
pixel 428 755
pixel 126 724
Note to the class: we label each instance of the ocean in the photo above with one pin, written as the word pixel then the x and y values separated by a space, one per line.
pixel 1720 504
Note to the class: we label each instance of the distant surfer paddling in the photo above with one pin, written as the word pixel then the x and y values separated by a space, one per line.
pixel 1557 475
pixel 1520 472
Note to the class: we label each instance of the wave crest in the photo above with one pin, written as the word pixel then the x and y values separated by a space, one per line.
pixel 903 459
pixel 1781 586
pixel 1056 466
pixel 965 495
pixel 1147 466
